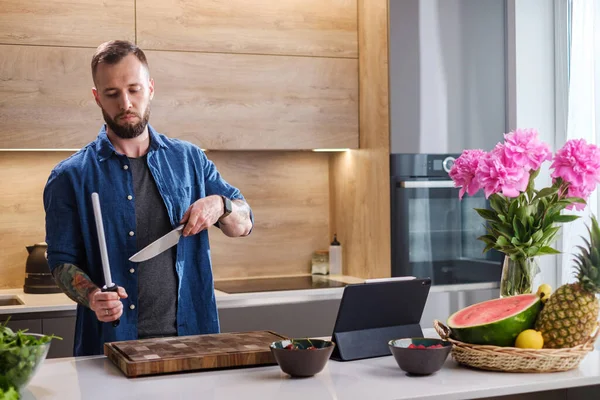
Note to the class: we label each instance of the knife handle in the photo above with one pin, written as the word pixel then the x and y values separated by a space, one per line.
pixel 113 288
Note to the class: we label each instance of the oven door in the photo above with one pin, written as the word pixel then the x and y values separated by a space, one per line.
pixel 434 234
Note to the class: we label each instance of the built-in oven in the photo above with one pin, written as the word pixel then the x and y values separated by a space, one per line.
pixel 434 233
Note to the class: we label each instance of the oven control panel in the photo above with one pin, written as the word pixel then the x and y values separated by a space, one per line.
pixel 434 166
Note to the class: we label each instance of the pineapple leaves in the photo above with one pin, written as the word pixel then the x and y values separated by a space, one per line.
pixel 595 232
pixel 587 260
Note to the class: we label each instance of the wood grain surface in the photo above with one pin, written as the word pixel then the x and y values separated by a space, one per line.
pixel 22 218
pixel 291 27
pixel 81 23
pixel 249 102
pixel 289 195
pixel 46 98
pixel 217 101
pixel 360 179
pixel 288 192
pixel 192 353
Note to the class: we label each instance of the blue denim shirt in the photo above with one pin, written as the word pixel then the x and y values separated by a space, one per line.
pixel 183 174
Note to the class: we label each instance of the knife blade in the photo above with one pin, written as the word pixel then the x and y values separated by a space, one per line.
pixel 158 246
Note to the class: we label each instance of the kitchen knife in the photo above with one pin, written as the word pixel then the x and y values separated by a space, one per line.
pixel 158 246
pixel 109 285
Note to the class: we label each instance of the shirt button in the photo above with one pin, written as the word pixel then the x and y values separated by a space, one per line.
pixel 131 270
pixel 132 307
pixel 129 197
pixel 125 167
pixel 131 233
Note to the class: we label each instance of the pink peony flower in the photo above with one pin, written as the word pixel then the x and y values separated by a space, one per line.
pixel 578 164
pixel 578 191
pixel 500 152
pixel 463 172
pixel 523 147
pixel 496 174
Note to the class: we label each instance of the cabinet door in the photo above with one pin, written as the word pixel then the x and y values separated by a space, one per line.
pixel 32 325
pixel 65 328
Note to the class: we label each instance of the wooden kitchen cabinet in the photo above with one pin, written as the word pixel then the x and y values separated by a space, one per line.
pixel 47 100
pixel 249 102
pixel 216 101
pixel 325 28
pixel 81 23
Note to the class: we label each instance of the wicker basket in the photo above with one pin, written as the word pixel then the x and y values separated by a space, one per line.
pixel 512 359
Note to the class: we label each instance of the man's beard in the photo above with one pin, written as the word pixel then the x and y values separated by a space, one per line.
pixel 127 131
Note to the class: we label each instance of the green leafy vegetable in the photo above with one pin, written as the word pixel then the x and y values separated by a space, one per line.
pixel 9 394
pixel 20 354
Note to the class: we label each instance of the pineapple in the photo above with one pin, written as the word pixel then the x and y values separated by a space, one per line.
pixel 571 313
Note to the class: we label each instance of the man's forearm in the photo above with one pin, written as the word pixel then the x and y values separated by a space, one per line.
pixel 74 282
pixel 237 223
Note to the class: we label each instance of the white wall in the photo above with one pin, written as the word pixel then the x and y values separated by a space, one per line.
pixel 531 83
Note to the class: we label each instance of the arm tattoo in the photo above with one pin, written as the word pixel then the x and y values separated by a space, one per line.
pixel 76 284
pixel 242 210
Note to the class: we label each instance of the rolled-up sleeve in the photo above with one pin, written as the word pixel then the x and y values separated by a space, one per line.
pixel 63 232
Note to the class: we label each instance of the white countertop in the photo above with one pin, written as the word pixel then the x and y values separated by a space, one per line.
pixel 60 302
pixel 35 302
pixel 376 378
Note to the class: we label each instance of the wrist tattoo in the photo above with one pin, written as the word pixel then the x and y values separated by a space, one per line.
pixel 242 210
pixel 76 284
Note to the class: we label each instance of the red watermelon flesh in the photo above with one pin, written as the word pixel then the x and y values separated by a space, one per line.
pixel 496 322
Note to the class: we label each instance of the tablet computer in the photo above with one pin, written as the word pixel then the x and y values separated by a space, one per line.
pixel 371 314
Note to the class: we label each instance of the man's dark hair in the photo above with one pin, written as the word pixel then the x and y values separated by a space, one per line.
pixel 114 51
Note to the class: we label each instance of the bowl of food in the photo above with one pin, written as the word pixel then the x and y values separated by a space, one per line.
pixel 420 356
pixel 21 354
pixel 302 357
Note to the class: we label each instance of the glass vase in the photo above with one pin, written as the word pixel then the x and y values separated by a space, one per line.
pixel 519 276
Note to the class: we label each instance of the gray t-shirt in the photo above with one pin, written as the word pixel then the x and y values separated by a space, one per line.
pixel 157 278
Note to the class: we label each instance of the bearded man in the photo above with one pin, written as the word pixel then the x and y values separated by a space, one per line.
pixel 148 184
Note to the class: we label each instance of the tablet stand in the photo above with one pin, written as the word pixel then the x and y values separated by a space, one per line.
pixel 372 314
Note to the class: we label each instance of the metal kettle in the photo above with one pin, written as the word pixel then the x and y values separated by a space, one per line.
pixel 38 278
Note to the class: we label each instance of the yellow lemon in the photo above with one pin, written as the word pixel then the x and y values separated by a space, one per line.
pixel 530 339
pixel 544 291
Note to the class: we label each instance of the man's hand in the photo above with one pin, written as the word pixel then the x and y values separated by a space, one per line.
pixel 202 214
pixel 107 305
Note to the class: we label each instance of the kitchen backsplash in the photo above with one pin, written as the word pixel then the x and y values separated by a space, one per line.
pixel 288 192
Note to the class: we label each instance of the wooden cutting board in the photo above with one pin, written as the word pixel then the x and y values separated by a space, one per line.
pixel 192 353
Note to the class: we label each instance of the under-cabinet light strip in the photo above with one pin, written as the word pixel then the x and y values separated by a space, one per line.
pixel 331 150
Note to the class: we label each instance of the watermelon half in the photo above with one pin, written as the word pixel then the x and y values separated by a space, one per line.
pixel 496 322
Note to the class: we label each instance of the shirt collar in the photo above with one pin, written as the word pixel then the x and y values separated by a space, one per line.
pixel 105 148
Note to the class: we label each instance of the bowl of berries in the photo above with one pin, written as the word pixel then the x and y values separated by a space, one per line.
pixel 302 357
pixel 420 356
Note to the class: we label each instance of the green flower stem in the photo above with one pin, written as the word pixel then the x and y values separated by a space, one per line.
pixel 517 276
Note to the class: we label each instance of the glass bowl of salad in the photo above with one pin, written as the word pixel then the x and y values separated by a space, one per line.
pixel 21 354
